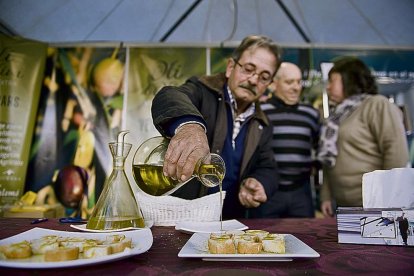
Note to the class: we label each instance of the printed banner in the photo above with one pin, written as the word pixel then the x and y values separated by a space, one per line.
pixel 22 64
pixel 80 112
pixel 149 70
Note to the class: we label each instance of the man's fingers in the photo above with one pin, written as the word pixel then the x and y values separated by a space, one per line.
pixel 247 198
pixel 252 193
pixel 261 197
pixel 250 184
pixel 186 147
pixel 241 199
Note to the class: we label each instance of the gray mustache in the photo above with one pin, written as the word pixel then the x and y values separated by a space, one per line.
pixel 250 88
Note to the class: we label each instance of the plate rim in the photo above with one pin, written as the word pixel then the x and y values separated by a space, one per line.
pixel 145 243
pixel 248 257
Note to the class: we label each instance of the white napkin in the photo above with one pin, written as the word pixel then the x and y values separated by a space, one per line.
pixel 388 188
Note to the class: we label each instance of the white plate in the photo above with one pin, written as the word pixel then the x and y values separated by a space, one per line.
pixel 141 242
pixel 196 247
pixel 82 227
pixel 191 227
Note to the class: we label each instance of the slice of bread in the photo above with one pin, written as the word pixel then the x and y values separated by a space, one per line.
pixel 221 244
pixel 120 246
pixel 257 233
pixel 245 237
pixel 41 245
pixel 234 233
pixel 79 242
pixel 18 250
pixel 249 245
pixel 61 254
pixel 274 243
pixel 96 251
pixel 114 238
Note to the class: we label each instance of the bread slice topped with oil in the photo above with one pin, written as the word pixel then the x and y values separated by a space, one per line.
pixel 221 244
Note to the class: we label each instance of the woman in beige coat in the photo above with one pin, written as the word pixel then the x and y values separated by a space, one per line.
pixel 364 133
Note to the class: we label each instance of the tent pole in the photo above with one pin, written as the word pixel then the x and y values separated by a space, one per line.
pixel 180 20
pixel 293 20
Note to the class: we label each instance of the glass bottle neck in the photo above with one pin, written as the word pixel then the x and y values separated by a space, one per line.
pixel 119 162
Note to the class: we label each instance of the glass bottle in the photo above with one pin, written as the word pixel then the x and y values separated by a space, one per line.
pixel 147 169
pixel 117 207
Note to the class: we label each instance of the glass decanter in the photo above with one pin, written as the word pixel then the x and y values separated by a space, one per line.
pixel 117 207
pixel 147 169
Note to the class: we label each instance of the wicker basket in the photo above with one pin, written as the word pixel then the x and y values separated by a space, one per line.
pixel 168 210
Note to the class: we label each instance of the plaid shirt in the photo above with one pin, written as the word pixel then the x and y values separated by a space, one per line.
pixel 238 120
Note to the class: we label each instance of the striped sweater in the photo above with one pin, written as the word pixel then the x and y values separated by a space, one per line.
pixel 295 137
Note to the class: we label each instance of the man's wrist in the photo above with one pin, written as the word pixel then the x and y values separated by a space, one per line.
pixel 188 123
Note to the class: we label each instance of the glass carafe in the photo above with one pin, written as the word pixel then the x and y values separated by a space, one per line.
pixel 117 207
pixel 148 163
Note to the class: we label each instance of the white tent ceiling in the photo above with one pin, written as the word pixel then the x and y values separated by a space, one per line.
pixel 378 23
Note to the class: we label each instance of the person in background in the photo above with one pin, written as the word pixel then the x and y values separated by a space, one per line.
pixel 403 225
pixel 221 114
pixel 295 137
pixel 364 133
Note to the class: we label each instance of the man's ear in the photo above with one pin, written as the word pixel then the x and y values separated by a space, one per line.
pixel 230 67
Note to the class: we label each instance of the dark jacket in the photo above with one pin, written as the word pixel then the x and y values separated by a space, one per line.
pixel 203 97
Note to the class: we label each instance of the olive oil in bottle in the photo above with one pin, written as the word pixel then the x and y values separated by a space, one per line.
pixel 147 168
pixel 117 207
pixel 151 180
pixel 115 222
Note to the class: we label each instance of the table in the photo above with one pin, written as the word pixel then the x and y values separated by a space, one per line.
pixel 162 259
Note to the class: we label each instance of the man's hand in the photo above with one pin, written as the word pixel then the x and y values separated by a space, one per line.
pixel 186 147
pixel 252 193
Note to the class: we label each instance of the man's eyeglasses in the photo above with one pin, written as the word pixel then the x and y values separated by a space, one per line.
pixel 249 70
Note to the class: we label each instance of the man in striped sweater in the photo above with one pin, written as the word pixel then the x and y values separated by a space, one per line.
pixel 295 137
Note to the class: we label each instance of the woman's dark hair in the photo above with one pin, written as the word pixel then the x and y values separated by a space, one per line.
pixel 258 41
pixel 356 76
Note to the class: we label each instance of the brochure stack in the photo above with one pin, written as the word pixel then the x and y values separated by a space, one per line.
pixel 393 226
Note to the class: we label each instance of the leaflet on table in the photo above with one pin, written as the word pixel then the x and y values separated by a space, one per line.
pixel 384 226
